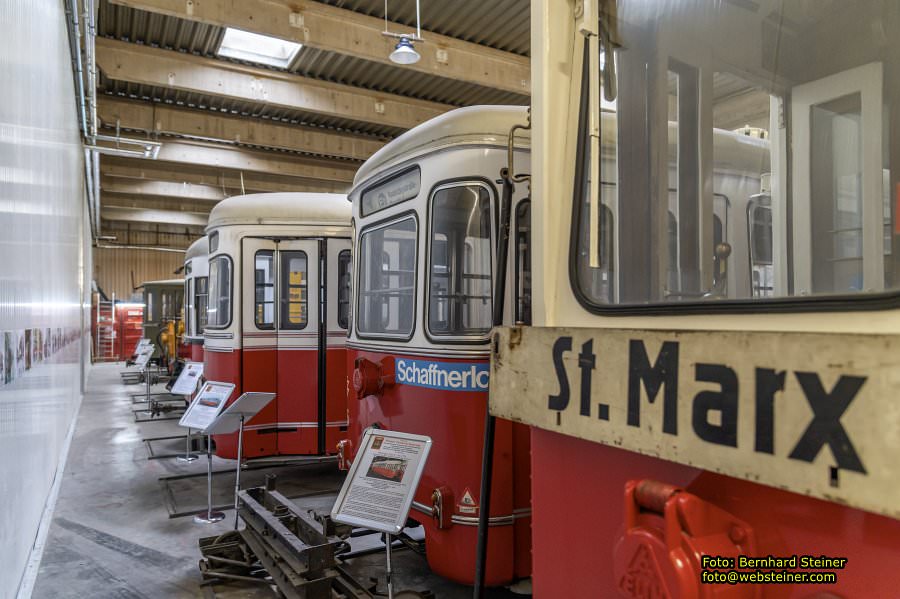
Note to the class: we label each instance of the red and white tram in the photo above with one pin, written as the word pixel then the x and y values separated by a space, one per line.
pixel 279 275
pixel 673 419
pixel 424 210
pixel 196 282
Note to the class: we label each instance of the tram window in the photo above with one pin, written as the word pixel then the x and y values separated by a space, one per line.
pixel 150 316
pixel 387 278
pixel 201 298
pixel 459 280
pixel 343 299
pixel 760 242
pixel 188 317
pixel 294 290
pixel 523 262
pixel 219 309
pixel 264 289
pixel 738 101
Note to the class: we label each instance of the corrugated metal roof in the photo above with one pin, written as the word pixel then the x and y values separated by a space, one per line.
pixel 501 24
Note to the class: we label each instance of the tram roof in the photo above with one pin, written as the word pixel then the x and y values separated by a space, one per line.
pixel 472 125
pixel 197 249
pixel 281 208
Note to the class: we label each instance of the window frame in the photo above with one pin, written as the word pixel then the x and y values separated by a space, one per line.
pixel 281 286
pixel 261 326
pixel 230 262
pixel 349 261
pixel 438 338
pixel 383 223
pixel 518 266
pixel 197 295
pixel 188 316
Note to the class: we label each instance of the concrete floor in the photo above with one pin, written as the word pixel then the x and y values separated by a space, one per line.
pixel 112 535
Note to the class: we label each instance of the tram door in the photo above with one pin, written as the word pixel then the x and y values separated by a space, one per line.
pixel 282 300
pixel 841 205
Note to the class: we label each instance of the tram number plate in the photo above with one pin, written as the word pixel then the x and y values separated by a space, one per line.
pixel 816 414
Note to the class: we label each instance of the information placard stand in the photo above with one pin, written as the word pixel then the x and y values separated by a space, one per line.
pixel 202 412
pixel 142 361
pixel 232 419
pixel 380 486
pixel 186 384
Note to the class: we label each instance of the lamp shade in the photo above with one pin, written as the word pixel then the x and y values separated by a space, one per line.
pixel 404 53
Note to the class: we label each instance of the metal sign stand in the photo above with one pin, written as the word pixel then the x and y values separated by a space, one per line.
pixel 389 540
pixel 202 414
pixel 237 471
pixel 232 419
pixel 384 454
pixel 188 457
pixel 210 516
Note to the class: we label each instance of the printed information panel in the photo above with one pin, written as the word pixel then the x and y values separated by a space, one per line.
pixel 207 405
pixel 141 344
pixel 381 483
pixel 143 357
pixel 815 414
pixel 189 378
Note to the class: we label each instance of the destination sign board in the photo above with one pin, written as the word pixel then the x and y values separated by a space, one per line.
pixel 812 413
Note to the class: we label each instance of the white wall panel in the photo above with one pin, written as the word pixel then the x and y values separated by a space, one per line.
pixel 42 268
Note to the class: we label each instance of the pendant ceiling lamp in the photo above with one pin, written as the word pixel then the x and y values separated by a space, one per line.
pixel 404 52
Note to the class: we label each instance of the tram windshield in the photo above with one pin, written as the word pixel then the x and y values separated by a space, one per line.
pixel 387 279
pixel 744 151
pixel 459 281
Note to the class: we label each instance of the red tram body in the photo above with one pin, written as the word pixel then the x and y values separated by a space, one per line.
pixel 279 278
pixel 424 210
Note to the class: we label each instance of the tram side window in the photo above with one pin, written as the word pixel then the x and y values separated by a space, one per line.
pixel 343 300
pixel 523 262
pixel 201 301
pixel 188 317
pixel 459 281
pixel 387 278
pixel 149 316
pixel 294 290
pixel 219 311
pixel 264 289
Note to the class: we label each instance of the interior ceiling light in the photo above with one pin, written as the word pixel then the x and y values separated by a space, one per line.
pixel 261 49
pixel 404 53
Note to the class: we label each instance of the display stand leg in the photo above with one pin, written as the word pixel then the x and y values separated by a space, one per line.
pixel 188 456
pixel 388 541
pixel 151 407
pixel 237 472
pixel 209 516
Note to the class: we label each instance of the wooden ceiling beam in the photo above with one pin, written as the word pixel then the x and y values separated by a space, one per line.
pixel 230 182
pixel 350 33
pixel 145 65
pixel 146 215
pixel 208 125
pixel 161 189
pixel 258 161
